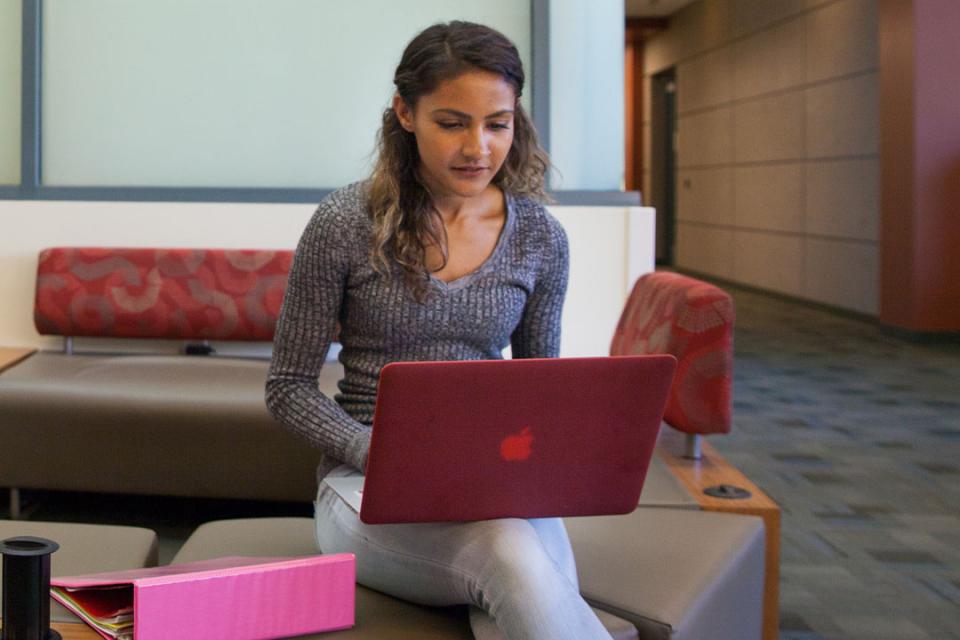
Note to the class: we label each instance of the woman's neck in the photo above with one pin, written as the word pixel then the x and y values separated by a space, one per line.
pixel 454 208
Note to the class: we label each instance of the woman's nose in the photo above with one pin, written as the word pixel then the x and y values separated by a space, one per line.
pixel 475 145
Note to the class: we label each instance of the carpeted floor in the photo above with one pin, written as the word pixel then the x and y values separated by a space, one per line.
pixel 854 433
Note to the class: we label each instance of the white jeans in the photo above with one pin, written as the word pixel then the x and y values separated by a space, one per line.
pixel 520 572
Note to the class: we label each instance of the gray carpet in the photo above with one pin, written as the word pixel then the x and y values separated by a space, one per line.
pixel 856 434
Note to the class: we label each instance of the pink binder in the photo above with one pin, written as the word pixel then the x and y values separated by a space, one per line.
pixel 233 598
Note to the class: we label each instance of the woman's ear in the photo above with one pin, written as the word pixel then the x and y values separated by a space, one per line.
pixel 404 112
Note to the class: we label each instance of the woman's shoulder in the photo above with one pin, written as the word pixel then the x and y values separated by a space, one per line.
pixel 344 210
pixel 346 202
pixel 535 221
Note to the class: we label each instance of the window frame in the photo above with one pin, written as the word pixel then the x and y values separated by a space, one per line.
pixel 31 185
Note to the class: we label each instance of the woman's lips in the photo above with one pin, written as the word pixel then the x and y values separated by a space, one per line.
pixel 470 172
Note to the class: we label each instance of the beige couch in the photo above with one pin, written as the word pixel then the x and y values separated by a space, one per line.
pixel 196 425
pixel 149 424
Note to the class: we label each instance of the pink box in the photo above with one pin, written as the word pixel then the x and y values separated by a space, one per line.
pixel 233 598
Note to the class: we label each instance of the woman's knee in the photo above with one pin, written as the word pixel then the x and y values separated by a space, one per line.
pixel 511 556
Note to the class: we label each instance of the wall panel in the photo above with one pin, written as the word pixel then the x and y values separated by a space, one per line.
pixel 771 60
pixel 705 138
pixel 707 80
pixel 843 198
pixel 705 195
pixel 704 249
pixel 769 128
pixel 769 261
pixel 843 274
pixel 791 87
pixel 770 197
pixel 842 38
pixel 843 117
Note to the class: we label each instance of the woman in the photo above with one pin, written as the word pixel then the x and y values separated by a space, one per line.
pixel 444 254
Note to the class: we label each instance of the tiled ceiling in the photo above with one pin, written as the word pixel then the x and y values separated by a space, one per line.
pixel 654 8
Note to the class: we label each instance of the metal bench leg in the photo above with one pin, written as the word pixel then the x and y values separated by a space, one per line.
pixel 14 504
pixel 692 450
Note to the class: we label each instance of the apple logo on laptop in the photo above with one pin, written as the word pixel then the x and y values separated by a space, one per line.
pixel 517 446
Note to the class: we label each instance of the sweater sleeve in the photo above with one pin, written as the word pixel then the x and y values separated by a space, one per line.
pixel 308 319
pixel 538 333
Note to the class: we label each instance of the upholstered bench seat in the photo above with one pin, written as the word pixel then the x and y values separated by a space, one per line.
pixel 150 424
pixel 677 574
pixel 87 548
pixel 672 573
pixel 379 616
pixel 661 488
pixel 170 425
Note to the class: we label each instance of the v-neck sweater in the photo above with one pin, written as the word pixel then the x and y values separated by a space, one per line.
pixel 514 298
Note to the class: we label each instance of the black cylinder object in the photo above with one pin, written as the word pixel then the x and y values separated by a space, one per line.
pixel 26 589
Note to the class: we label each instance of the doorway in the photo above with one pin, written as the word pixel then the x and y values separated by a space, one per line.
pixel 663 161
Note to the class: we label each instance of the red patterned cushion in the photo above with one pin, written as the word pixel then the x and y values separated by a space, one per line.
pixel 160 293
pixel 693 320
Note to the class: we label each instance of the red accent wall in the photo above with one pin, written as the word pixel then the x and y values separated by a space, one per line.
pixel 920 164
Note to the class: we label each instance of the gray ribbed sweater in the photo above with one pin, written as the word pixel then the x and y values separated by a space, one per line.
pixel 515 298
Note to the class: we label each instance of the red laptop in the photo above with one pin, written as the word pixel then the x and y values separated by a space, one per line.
pixel 474 440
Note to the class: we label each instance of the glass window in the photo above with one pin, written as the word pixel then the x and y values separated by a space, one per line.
pixel 229 93
pixel 10 38
pixel 586 94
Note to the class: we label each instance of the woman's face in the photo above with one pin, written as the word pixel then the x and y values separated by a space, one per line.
pixel 464 130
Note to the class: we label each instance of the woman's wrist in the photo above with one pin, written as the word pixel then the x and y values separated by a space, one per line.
pixel 357 449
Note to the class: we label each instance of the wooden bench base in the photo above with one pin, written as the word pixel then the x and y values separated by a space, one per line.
pixel 713 470
pixel 10 356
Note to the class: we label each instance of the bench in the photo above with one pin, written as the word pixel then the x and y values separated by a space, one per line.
pixel 101 416
pixel 170 421
pixel 86 548
pixel 676 574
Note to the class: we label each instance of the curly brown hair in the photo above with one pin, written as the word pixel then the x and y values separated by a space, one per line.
pixel 405 220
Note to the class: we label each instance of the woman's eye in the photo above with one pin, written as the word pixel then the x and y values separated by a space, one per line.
pixel 448 125
pixel 499 125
